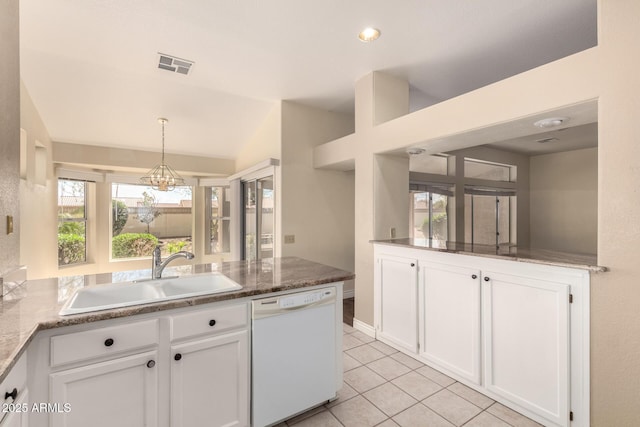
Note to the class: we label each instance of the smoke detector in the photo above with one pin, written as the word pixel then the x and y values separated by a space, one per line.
pixel 415 151
pixel 174 64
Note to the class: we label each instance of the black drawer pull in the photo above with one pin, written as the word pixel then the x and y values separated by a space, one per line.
pixel 108 342
pixel 486 278
pixel 413 264
pixel 178 356
pixel 212 322
pixel 13 394
pixel 151 363
pixel 474 276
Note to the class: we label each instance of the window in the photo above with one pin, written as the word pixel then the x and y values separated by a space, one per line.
pixel 259 218
pixel 429 211
pixel 490 171
pixel 142 218
pixel 490 216
pixel 72 222
pixel 218 217
pixel 437 164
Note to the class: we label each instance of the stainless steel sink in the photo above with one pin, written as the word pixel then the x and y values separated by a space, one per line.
pixel 116 295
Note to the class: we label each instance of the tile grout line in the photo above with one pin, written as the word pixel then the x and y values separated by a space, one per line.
pixel 417 401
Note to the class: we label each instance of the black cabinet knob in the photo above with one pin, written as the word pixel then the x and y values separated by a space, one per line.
pixel 13 394
pixel 486 278
pixel 108 342
pixel 474 276
pixel 413 264
pixel 212 322
pixel 178 356
pixel 151 363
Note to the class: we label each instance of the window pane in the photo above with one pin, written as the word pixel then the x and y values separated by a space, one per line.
pixel 266 220
pixel 420 212
pixel 421 220
pixel 143 218
pixel 429 164
pixel 439 217
pixel 71 200
pixel 72 234
pixel 484 170
pixel 503 219
pixel 484 220
pixel 219 220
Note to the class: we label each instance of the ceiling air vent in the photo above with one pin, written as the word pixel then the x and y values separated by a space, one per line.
pixel 174 64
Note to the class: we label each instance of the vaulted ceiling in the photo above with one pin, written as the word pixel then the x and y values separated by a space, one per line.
pixel 91 66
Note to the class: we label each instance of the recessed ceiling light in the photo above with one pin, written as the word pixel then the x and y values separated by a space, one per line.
pixel 369 34
pixel 551 122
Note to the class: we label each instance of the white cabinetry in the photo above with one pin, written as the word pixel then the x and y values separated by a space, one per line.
pixel 210 375
pixel 187 367
pixel 450 318
pixel 107 376
pixel 118 392
pixel 397 301
pixel 14 396
pixel 526 352
pixel 505 328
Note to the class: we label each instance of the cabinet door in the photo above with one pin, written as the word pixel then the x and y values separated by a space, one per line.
pixel 121 392
pixel 450 318
pixel 526 353
pixel 18 417
pixel 210 382
pixel 397 305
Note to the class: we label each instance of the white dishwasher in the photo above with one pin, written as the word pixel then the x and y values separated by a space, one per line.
pixel 294 357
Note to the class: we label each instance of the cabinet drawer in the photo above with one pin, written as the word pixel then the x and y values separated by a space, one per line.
pixel 209 321
pixel 100 342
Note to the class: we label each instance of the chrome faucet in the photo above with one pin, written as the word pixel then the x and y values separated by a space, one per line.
pixel 158 265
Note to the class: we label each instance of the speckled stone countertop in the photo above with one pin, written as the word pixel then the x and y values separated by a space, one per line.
pixel 34 306
pixel 509 252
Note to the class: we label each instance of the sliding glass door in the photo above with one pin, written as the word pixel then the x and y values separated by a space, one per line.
pixel 258 218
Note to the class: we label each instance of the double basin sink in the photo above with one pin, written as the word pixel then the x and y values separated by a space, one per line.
pixel 116 295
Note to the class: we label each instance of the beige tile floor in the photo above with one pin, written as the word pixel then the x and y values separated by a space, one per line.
pixel 383 387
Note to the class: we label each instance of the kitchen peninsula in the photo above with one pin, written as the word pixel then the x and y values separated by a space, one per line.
pixel 43 352
pixel 511 323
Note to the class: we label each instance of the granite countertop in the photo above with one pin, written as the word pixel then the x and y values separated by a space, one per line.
pixel 509 252
pixel 34 306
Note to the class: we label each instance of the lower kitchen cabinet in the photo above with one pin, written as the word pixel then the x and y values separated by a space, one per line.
pixel 189 367
pixel 450 318
pixel 396 294
pixel 526 352
pixel 18 416
pixel 516 331
pixel 210 381
pixel 14 395
pixel 120 392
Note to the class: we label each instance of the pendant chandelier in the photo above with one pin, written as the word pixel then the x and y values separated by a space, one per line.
pixel 162 177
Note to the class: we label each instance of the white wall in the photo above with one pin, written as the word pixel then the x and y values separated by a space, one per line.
pixel 38 203
pixel 265 143
pixel 9 135
pixel 317 205
pixel 564 200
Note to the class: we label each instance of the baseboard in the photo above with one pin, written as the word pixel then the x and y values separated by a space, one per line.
pixel 363 327
pixel 348 293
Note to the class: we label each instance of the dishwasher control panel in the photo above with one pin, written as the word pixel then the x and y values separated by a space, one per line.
pixel 304 299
